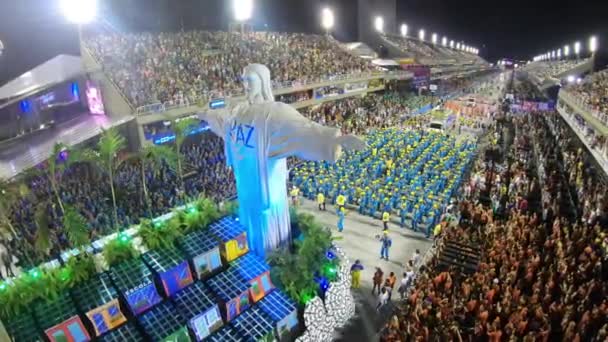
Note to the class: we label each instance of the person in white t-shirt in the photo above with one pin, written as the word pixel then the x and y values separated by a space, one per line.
pixel 416 257
pixel 382 298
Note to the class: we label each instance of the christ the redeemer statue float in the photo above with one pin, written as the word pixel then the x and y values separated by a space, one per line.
pixel 259 134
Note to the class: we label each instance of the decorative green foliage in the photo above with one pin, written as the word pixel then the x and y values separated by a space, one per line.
pixel 79 268
pixel 75 226
pixel 157 235
pixel 294 272
pixel 119 249
pixel 230 208
pixel 15 297
pixel 43 235
pixel 195 216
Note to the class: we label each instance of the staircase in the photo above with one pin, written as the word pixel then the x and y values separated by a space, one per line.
pixel 460 256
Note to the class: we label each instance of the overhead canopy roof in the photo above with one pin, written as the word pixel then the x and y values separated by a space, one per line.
pixel 59 69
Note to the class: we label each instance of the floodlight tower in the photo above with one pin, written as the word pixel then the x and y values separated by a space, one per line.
pixel 592 45
pixel 421 34
pixel 379 24
pixel 444 41
pixel 404 30
pixel 577 49
pixel 79 12
pixel 327 20
pixel 566 51
pixel 243 9
pixel 434 38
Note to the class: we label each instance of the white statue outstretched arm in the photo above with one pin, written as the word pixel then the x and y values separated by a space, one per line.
pixel 217 120
pixel 295 135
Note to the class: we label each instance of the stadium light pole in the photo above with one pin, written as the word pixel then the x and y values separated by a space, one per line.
pixel 379 24
pixel 444 41
pixel 592 45
pixel 79 12
pixel 434 38
pixel 577 49
pixel 404 30
pixel 451 44
pixel 559 53
pixel 421 34
pixel 327 19
pixel 566 51
pixel 457 46
pixel 242 11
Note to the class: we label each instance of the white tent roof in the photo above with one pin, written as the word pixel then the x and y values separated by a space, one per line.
pixel 58 69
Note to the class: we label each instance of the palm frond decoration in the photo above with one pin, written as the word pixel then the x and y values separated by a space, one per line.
pixel 75 226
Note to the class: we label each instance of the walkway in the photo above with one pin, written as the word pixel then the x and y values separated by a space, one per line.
pixel 359 241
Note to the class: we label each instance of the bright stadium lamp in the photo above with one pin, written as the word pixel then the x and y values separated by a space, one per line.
pixel 452 44
pixel 421 34
pixel 434 38
pixel 559 53
pixel 566 50
pixel 444 41
pixel 553 53
pixel 242 9
pixel 571 79
pixel 404 30
pixel 327 19
pixel 1 48
pixel 79 11
pixel 577 48
pixel 592 44
pixel 379 24
pixel 457 46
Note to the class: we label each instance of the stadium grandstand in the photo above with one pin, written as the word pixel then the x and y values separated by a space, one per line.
pixel 457 194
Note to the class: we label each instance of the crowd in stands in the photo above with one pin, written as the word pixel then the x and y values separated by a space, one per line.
pixel 542 273
pixel 593 93
pixel 87 190
pixel 151 67
pixel 550 69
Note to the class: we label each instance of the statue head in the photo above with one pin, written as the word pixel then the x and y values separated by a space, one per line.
pixel 256 79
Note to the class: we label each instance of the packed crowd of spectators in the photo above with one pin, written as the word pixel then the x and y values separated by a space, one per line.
pixel 87 190
pixel 593 93
pixel 542 275
pixel 550 69
pixel 150 67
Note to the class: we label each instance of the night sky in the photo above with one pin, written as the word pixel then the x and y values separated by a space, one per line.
pixel 34 31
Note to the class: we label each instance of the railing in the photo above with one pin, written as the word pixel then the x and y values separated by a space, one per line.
pixel 584 106
pixel 205 96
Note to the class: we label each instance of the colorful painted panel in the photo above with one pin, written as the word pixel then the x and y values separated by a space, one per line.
pixel 71 330
pixel 106 317
pixel 143 298
pixel 176 278
pixel 236 247
pixel 207 263
pixel 260 286
pixel 205 324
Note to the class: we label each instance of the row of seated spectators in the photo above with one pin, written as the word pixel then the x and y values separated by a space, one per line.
pixel 435 52
pixel 150 67
pixel 539 277
pixel 550 69
pixel 593 93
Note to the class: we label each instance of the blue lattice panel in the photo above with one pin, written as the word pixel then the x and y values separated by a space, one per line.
pixel 282 310
pixel 256 273
pixel 21 327
pixel 233 236
pixel 171 267
pixel 226 334
pixel 125 333
pixel 232 291
pixel 254 324
pixel 196 304
pixel 204 251
pixel 59 318
pixel 136 282
pixel 161 321
pixel 99 300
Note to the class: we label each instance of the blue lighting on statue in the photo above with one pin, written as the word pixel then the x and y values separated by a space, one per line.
pixel 75 91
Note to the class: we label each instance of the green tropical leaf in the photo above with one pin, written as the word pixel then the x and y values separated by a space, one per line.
pixel 43 235
pixel 75 226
